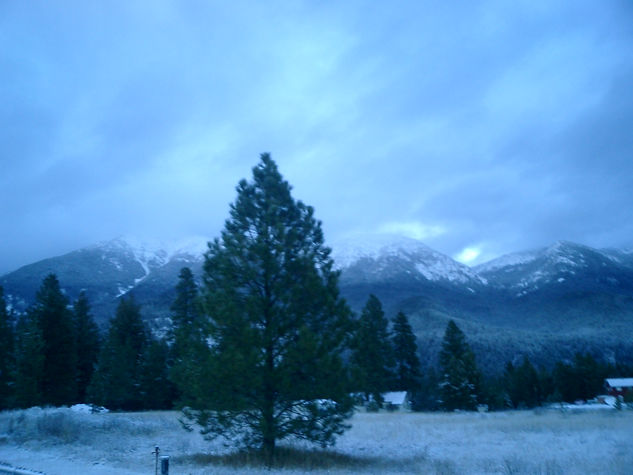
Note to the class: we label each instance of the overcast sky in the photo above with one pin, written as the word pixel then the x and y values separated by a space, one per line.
pixel 480 128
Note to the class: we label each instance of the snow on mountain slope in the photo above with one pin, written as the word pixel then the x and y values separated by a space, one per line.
pixel 381 252
pixel 156 253
pixel 623 257
pixel 559 264
pixel 561 253
pixel 150 254
pixel 508 260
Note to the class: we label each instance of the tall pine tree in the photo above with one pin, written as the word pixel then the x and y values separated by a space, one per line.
pixel 188 322
pixel 276 322
pixel 29 355
pixel 157 390
pixel 7 359
pixel 189 347
pixel 86 343
pixel 581 380
pixel 372 356
pixel 522 384
pixel 460 380
pixel 58 379
pixel 405 350
pixel 116 382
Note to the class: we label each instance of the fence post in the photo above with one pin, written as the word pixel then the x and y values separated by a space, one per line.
pixel 156 452
pixel 164 465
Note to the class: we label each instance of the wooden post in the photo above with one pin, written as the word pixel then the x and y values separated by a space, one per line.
pixel 156 452
pixel 164 465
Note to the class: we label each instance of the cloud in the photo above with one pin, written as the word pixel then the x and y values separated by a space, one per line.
pixel 504 125
pixel 468 255
pixel 412 229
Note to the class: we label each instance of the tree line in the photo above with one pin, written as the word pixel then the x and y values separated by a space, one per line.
pixel 263 348
pixel 55 355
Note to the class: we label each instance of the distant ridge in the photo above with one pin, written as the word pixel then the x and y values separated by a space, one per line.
pixel 548 302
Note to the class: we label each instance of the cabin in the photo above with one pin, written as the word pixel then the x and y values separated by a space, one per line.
pixel 395 400
pixel 619 386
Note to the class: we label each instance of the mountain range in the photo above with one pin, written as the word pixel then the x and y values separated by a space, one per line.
pixel 547 303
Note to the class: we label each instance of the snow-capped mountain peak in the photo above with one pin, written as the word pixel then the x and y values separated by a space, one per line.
pixel 154 252
pixel 372 246
pixel 382 253
pixel 150 254
pixel 557 265
pixel 561 253
pixel 508 260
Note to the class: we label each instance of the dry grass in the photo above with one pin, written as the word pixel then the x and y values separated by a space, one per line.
pixel 289 458
pixel 521 442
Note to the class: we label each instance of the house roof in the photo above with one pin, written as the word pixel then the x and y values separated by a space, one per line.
pixel 396 398
pixel 620 382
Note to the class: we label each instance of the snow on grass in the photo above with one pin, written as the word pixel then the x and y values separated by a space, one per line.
pixel 60 441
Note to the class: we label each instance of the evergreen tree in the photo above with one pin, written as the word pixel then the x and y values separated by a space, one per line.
pixel 29 355
pixel 86 343
pixel 427 397
pixel 116 383
pixel 523 385
pixel 372 357
pixel 582 379
pixel 186 307
pixel 405 350
pixel 276 322
pixel 7 360
pixel 494 393
pixel 547 385
pixel 188 337
pixel 157 390
pixel 590 376
pixel 58 383
pixel 188 322
pixel 460 381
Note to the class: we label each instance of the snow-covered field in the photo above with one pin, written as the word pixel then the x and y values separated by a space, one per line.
pixel 61 441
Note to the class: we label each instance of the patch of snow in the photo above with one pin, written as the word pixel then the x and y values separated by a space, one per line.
pixel 123 290
pixel 88 409
pixel 114 261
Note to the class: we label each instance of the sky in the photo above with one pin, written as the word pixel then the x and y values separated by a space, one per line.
pixel 480 128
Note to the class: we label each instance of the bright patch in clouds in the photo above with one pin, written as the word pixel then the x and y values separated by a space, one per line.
pixel 412 229
pixel 468 255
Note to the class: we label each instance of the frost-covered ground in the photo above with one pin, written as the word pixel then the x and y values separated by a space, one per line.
pixel 60 441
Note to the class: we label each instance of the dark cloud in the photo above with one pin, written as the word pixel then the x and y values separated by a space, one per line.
pixel 493 126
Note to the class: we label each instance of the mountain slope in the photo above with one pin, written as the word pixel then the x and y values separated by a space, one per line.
pixel 561 264
pixel 107 271
pixel 548 303
pixel 397 269
pixel 566 287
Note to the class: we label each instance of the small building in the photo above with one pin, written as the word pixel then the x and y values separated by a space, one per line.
pixel 395 400
pixel 619 386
